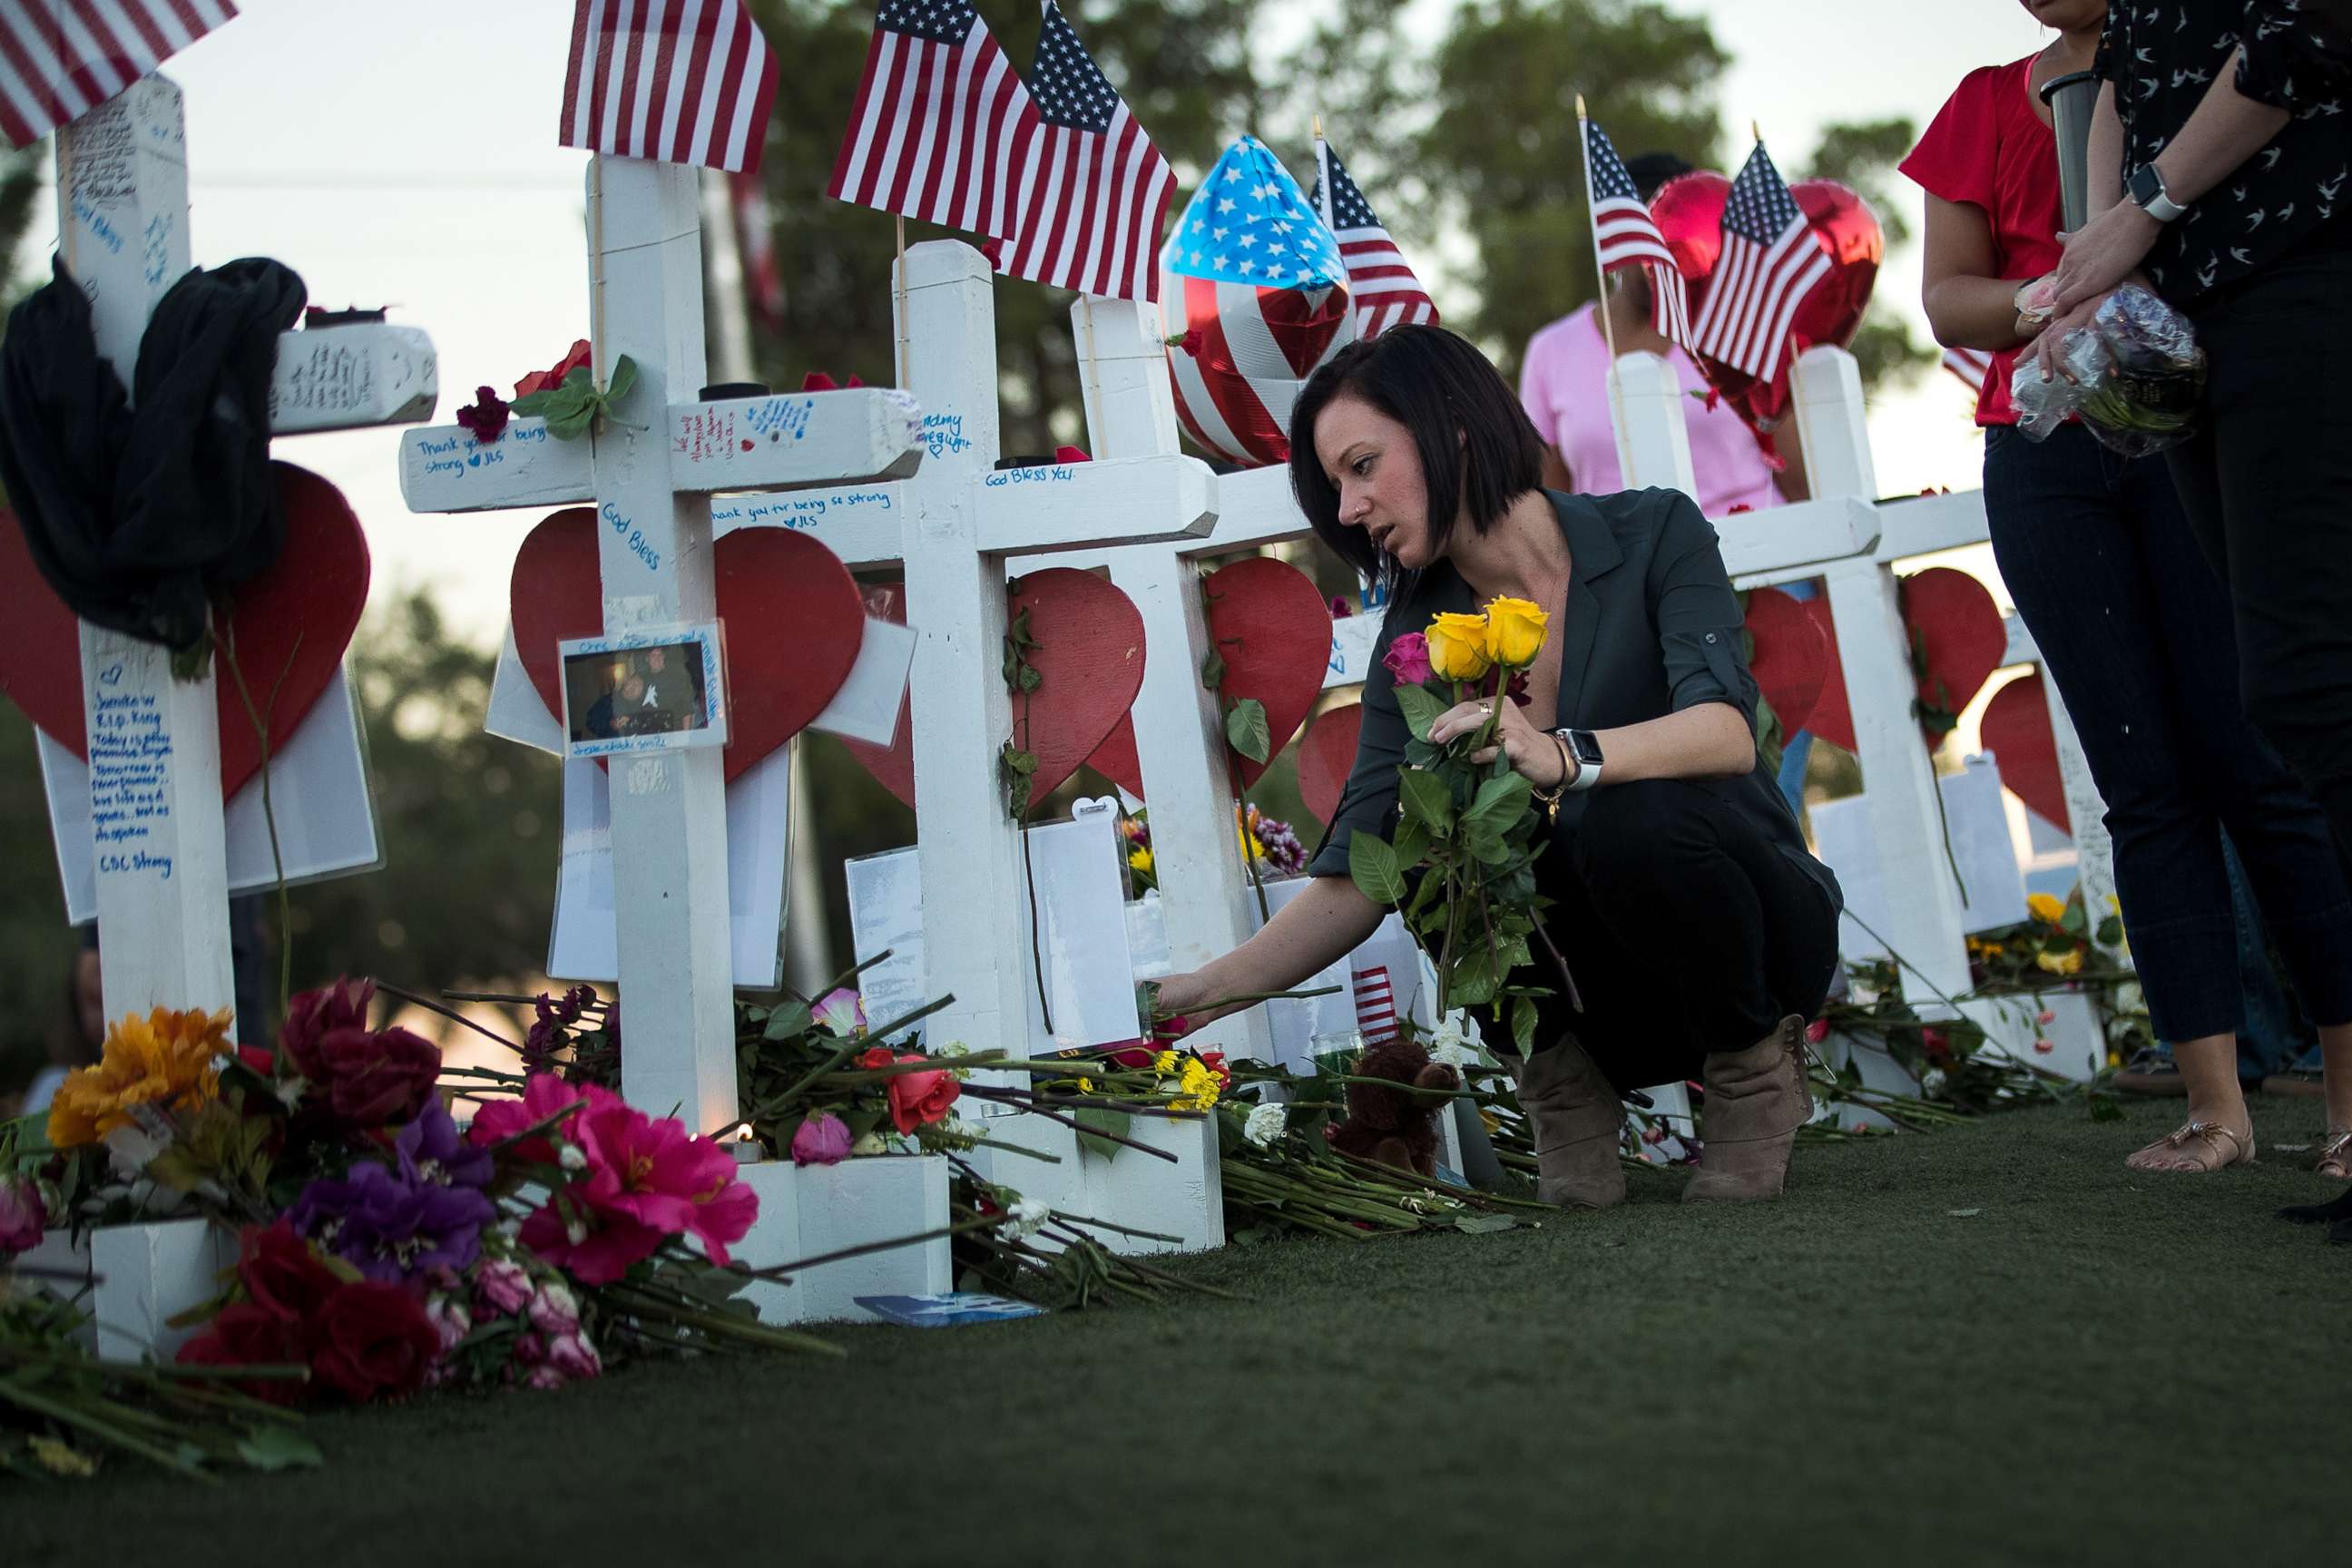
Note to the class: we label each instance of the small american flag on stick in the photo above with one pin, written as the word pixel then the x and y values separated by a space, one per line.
pixel 1376 1015
pixel 1381 282
pixel 678 81
pixel 1094 190
pixel 1625 236
pixel 61 59
pixel 1971 365
pixel 941 120
pixel 1770 262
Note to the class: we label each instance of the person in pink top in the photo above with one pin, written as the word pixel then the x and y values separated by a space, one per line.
pixel 1564 385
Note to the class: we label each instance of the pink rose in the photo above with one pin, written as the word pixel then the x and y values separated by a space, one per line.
pixel 554 1311
pixel 23 1217
pixel 504 1286
pixel 919 1098
pixel 450 1321
pixel 821 1141
pixel 529 1348
pixel 1408 659
pixel 574 1357
pixel 543 1377
pixel 1818 1030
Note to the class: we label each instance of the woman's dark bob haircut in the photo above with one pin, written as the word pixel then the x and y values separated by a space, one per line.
pixel 1478 452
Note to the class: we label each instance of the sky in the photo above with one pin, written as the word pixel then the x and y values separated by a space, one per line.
pixel 413 163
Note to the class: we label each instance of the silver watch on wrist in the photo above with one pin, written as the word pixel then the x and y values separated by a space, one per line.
pixel 2145 188
pixel 1586 750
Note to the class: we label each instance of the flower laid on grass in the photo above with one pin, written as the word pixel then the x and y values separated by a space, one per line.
pixel 170 1060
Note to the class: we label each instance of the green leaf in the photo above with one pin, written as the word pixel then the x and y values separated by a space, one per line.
pixel 1483 1223
pixel 1030 679
pixel 1411 843
pixel 1501 802
pixel 1421 753
pixel 1485 840
pixel 1212 670
pixel 1523 1024
pixel 1474 982
pixel 1420 707
pixel 280 1448
pixel 788 1021
pixel 624 376
pixel 531 405
pixel 1426 800
pixel 1095 1120
pixel 1246 732
pixel 579 379
pixel 1373 864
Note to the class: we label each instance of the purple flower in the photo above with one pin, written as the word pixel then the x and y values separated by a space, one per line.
pixel 433 1152
pixel 821 1141
pixel 23 1217
pixel 390 1226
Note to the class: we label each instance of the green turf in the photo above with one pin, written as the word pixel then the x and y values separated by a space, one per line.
pixel 2091 1367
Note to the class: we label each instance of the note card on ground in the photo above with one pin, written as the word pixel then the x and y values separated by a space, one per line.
pixel 947 1311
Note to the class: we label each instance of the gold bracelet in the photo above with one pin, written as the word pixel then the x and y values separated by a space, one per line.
pixel 1551 803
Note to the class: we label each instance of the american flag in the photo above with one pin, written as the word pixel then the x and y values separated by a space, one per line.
pixel 941 120
pixel 755 244
pixel 1971 365
pixel 1770 262
pixel 61 59
pixel 1094 190
pixel 1249 222
pixel 680 82
pixel 1625 236
pixel 1380 279
pixel 1376 1017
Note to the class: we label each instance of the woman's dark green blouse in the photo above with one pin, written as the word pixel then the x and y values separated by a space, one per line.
pixel 1651 627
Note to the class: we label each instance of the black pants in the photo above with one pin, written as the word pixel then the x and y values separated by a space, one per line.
pixel 2268 486
pixel 1687 929
pixel 2135 629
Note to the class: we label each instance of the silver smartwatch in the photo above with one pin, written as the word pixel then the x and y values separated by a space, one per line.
pixel 1586 750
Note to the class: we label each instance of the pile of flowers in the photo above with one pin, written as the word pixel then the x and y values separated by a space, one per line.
pixel 2055 944
pixel 1269 846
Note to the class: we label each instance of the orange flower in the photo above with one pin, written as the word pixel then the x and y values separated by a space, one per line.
pixel 167 1058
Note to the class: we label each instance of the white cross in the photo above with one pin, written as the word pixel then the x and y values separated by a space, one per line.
pixel 650 486
pixel 162 879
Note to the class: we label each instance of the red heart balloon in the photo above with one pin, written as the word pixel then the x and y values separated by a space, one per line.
pixel 791 606
pixel 1273 627
pixel 289 627
pixel 2017 732
pixel 1791 661
pixel 1326 755
pixel 1688 211
pixel 1089 664
pixel 1953 619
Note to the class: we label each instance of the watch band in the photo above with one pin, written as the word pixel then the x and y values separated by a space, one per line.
pixel 2146 189
pixel 1580 745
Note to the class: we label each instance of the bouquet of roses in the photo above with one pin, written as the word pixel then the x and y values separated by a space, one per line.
pixel 1468 828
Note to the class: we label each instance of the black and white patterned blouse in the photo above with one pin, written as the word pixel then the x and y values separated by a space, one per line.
pixel 2162 55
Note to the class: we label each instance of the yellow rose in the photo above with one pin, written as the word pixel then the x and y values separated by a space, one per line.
pixel 1457 647
pixel 1141 859
pixel 2046 907
pixel 1515 632
pixel 2067 963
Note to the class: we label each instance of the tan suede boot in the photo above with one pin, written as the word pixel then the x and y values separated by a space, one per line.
pixel 1756 1101
pixel 1577 1118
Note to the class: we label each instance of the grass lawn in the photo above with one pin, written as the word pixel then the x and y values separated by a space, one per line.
pixel 2084 1365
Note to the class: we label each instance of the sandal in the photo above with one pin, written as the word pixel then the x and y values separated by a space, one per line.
pixel 2335 1156
pixel 2206 1156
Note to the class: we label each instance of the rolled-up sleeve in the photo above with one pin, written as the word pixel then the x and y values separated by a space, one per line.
pixel 1697 614
pixel 1371 795
pixel 2294 57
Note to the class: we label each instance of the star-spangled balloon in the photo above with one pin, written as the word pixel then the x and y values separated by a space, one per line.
pixel 1250 222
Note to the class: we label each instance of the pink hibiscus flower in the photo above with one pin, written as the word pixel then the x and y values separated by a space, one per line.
pixel 544 1095
pixel 645 1180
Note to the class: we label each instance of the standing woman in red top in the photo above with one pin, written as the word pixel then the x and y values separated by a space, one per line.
pixel 2132 627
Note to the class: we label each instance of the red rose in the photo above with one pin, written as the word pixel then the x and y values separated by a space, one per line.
pixel 376 1075
pixel 919 1098
pixel 1132 1056
pixel 876 1057
pixel 281 1274
pixel 375 1340
pixel 247 1334
pixel 1215 1062
pixel 311 1015
pixel 541 380
pixel 259 1060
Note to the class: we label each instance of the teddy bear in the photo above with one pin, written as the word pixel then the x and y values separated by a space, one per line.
pixel 1389 1123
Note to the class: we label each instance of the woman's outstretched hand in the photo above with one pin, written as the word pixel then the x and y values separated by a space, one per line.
pixel 1533 752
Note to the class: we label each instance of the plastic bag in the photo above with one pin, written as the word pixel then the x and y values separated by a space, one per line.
pixel 2137 375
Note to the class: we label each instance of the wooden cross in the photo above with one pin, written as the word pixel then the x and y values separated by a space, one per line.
pixel 160 856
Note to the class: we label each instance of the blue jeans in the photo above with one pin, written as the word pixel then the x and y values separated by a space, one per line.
pixel 2135 628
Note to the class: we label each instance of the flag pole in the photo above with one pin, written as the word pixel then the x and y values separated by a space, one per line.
pixel 597 369
pixel 899 290
pixel 1601 282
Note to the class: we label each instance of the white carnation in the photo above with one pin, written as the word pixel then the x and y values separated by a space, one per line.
pixel 1932 1081
pixel 573 1158
pixel 1265 1123
pixel 1027 1217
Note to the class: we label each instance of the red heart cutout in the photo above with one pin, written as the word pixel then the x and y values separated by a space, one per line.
pixel 1791 661
pixel 1089 664
pixel 289 626
pixel 1116 758
pixel 1326 755
pixel 1273 627
pixel 1954 619
pixel 2017 732
pixel 790 605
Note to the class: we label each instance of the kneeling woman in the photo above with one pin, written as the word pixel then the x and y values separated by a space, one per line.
pixel 1700 933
